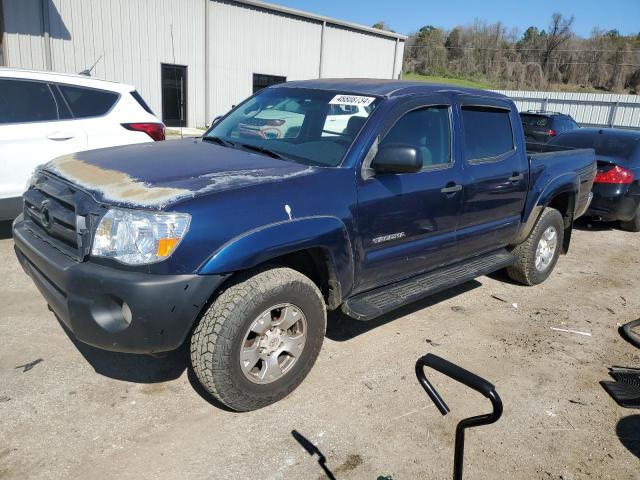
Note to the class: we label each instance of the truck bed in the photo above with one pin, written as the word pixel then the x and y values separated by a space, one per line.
pixel 559 159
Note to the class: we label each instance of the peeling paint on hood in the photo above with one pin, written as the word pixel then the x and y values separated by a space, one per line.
pixel 115 186
pixel 160 174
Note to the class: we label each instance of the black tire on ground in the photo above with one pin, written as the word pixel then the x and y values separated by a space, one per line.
pixel 632 225
pixel 524 269
pixel 217 339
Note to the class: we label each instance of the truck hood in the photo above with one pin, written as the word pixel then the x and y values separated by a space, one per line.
pixel 156 175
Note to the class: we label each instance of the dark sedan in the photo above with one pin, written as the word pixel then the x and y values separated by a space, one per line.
pixel 616 188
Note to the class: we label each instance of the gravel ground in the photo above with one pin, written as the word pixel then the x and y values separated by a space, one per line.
pixel 70 411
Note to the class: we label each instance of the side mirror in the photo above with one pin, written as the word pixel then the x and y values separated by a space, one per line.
pixel 397 159
pixel 216 120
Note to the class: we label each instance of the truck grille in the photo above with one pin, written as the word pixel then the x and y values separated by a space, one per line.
pixel 59 214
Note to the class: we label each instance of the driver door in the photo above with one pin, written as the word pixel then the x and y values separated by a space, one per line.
pixel 407 222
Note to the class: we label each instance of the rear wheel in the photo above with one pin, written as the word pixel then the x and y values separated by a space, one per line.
pixel 259 338
pixel 632 225
pixel 537 256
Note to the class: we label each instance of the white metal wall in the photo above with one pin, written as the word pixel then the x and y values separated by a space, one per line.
pixel 135 36
pixel 592 109
pixel 246 40
pixel 23 25
pixel 354 54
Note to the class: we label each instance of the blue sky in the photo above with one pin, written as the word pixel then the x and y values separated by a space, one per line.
pixel 406 16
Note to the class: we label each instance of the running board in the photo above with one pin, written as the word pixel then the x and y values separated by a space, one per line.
pixel 369 305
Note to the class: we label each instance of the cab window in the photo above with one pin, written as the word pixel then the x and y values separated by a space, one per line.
pixel 487 132
pixel 428 131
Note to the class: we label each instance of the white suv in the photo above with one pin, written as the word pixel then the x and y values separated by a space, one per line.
pixel 44 115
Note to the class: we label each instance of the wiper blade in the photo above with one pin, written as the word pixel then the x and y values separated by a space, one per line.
pixel 263 150
pixel 219 141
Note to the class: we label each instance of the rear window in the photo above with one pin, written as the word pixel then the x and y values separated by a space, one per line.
pixel 88 102
pixel 23 101
pixel 138 98
pixel 534 120
pixel 487 132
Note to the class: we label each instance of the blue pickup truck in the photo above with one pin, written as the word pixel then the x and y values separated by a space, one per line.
pixel 240 241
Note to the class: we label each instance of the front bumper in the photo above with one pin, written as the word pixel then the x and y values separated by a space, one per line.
pixel 613 203
pixel 110 308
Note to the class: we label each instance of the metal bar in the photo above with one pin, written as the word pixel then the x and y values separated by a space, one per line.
pixel 207 108
pixel 321 63
pixel 470 380
pixel 395 60
pixel 612 114
pixel 46 34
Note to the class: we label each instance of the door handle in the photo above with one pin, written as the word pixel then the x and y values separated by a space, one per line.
pixel 516 177
pixel 60 136
pixel 451 188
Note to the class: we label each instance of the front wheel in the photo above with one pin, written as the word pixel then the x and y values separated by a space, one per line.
pixel 537 256
pixel 259 338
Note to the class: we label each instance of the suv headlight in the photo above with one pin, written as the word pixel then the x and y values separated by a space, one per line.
pixel 139 237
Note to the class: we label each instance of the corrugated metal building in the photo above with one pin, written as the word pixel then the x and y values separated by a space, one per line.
pixel 191 59
pixel 588 109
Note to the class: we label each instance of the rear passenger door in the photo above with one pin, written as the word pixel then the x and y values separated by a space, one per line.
pixel 495 175
pixel 35 127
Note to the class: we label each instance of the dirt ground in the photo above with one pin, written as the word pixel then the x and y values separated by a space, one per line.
pixel 69 411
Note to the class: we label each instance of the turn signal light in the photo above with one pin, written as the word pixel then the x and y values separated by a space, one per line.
pixel 166 246
pixel 616 174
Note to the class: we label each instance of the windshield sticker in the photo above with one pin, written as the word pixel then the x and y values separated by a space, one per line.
pixel 352 100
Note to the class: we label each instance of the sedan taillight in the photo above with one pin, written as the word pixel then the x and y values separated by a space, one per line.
pixel 616 175
pixel 154 130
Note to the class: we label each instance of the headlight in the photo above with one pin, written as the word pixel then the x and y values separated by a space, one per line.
pixel 32 178
pixel 138 237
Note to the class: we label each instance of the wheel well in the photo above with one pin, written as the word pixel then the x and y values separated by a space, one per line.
pixel 565 204
pixel 316 264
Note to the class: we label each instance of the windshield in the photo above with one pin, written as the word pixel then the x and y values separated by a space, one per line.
pixel 314 127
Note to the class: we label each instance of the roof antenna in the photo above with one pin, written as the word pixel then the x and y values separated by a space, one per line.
pixel 87 72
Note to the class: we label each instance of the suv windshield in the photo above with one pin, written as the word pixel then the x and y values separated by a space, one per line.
pixel 314 127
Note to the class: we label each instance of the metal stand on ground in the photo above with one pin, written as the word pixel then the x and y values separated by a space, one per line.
pixel 470 380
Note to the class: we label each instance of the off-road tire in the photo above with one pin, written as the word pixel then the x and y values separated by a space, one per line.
pixel 216 340
pixel 524 269
pixel 632 225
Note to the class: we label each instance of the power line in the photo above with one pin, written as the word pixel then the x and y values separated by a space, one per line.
pixel 516 49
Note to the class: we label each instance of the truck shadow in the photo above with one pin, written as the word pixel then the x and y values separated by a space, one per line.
pixel 132 367
pixel 628 431
pixel 171 365
pixel 341 328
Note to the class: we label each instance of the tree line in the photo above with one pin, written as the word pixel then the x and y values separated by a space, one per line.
pixel 552 58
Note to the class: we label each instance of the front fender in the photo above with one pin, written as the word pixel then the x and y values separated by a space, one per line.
pixel 271 241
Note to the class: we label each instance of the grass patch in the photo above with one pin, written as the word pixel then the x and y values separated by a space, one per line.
pixel 446 80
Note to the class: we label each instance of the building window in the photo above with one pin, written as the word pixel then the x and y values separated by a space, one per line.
pixel 261 81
